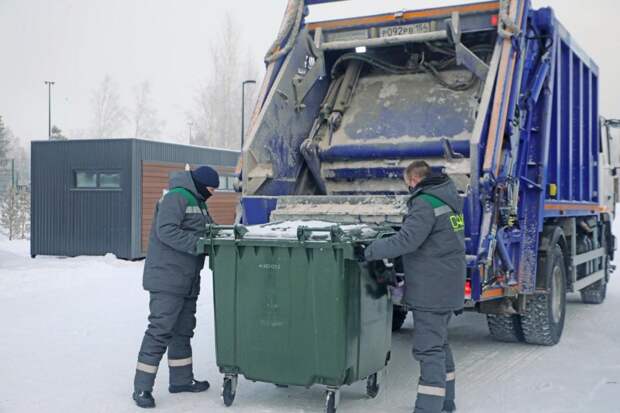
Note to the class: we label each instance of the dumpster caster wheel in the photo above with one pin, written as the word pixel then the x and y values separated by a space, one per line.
pixel 229 388
pixel 331 401
pixel 372 386
pixel 282 386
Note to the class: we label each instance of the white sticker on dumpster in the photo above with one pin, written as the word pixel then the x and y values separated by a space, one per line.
pixel 275 267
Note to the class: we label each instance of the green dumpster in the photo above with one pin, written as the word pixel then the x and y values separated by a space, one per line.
pixel 297 310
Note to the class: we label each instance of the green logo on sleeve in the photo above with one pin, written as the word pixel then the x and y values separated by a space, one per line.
pixel 458 222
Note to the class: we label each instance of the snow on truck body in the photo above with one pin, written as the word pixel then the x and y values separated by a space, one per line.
pixel 498 94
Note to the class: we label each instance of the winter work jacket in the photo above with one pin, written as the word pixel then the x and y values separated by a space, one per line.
pixel 172 262
pixel 431 243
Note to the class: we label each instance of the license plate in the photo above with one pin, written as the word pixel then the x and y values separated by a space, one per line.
pixel 404 30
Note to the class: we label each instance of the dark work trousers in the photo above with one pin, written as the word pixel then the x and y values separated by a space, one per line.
pixel 431 349
pixel 171 326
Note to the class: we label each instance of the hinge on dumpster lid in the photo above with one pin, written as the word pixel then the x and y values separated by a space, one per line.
pixel 342 209
pixel 298 230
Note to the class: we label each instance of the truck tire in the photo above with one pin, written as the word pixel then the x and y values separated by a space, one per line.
pixel 596 293
pixel 399 317
pixel 505 328
pixel 543 320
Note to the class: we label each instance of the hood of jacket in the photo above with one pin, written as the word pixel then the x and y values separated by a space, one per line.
pixel 184 180
pixel 442 187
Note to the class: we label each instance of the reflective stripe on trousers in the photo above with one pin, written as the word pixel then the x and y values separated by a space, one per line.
pixel 431 391
pixel 430 338
pixel 147 368
pixel 180 362
pixel 450 386
pixel 171 327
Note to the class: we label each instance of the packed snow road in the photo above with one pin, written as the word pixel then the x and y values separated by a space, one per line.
pixel 71 329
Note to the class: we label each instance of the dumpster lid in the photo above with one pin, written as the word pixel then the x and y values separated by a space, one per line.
pixel 290 230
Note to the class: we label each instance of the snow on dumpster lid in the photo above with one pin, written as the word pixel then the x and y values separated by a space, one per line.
pixel 288 230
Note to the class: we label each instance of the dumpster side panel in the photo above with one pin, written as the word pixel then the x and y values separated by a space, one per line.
pixel 330 300
pixel 296 313
pixel 223 263
pixel 375 328
pixel 289 299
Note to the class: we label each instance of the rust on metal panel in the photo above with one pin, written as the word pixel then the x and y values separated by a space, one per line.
pixel 576 207
pixel 410 15
pixel 498 119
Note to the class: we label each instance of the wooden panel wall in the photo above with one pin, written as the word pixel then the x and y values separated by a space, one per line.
pixel 155 176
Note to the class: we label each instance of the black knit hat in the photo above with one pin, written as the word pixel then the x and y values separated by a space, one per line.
pixel 206 176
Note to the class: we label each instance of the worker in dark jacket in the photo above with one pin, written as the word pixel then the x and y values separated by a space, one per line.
pixel 431 244
pixel 172 276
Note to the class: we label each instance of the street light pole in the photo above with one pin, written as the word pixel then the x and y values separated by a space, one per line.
pixel 13 182
pixel 190 124
pixel 245 82
pixel 49 108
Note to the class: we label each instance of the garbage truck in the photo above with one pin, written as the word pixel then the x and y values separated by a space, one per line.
pixel 497 94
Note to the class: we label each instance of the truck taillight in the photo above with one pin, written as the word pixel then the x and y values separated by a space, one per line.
pixel 468 289
pixel 494 20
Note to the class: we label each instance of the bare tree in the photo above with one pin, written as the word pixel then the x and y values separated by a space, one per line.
pixel 5 141
pixel 57 134
pixel 108 114
pixel 20 153
pixel 216 116
pixel 9 212
pixel 15 213
pixel 23 214
pixel 144 116
pixel 7 148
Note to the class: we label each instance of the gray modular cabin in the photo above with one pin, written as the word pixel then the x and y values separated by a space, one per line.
pixel 93 197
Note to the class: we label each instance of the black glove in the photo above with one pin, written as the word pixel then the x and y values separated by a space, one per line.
pixel 383 272
pixel 359 252
pixel 376 291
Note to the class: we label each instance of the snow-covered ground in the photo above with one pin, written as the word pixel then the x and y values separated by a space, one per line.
pixel 71 328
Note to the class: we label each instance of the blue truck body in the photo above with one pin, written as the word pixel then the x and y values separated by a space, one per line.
pixel 509 105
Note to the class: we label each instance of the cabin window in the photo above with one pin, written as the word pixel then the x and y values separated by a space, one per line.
pixel 97 180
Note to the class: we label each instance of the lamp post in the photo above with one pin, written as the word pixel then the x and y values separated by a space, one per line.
pixel 49 108
pixel 13 181
pixel 245 82
pixel 190 124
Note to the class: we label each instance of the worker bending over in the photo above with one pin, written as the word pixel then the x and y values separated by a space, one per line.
pixel 431 244
pixel 172 276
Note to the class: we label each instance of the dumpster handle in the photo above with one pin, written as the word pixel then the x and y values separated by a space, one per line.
pixel 385 234
pixel 238 230
pixel 335 232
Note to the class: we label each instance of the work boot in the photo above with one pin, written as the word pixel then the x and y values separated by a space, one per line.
pixel 448 406
pixel 195 387
pixel 144 399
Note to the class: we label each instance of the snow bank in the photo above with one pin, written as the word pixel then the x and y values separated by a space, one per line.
pixel 71 329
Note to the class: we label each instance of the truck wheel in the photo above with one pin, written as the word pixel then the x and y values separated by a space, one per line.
pixel 399 317
pixel 505 328
pixel 543 320
pixel 596 293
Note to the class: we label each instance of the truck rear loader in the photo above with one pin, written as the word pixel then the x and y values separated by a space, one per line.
pixel 497 94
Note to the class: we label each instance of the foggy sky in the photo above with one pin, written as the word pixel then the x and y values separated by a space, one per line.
pixel 77 42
